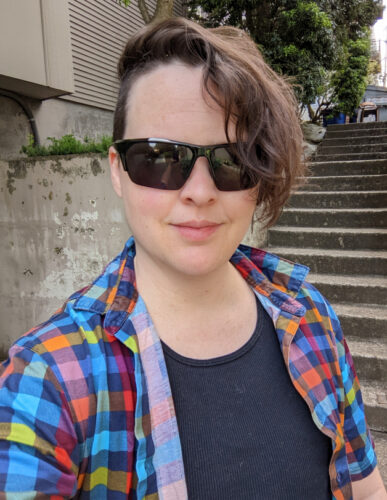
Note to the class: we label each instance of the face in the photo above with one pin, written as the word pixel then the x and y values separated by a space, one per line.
pixel 196 229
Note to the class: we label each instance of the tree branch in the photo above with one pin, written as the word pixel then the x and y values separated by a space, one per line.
pixel 311 113
pixel 144 11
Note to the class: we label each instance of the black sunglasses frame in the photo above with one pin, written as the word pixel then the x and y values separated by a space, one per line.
pixel 122 146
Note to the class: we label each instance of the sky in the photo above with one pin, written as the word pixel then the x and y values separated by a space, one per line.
pixel 381 25
pixel 380 35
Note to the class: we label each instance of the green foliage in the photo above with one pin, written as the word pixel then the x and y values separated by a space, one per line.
pixel 350 17
pixel 67 145
pixel 306 40
pixel 295 36
pixel 350 79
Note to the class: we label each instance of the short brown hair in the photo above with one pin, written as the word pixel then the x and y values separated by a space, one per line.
pixel 260 102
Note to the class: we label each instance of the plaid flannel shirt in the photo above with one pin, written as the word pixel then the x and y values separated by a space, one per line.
pixel 85 403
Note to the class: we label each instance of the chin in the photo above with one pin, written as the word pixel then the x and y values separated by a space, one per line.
pixel 198 262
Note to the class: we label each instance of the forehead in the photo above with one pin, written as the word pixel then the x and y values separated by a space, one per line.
pixel 185 82
pixel 170 102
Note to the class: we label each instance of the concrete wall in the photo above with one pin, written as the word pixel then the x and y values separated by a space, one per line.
pixel 53 118
pixel 61 222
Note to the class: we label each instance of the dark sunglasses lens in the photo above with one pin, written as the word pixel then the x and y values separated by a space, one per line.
pixel 158 165
pixel 229 174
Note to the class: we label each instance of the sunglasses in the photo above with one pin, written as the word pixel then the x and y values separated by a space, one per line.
pixel 165 164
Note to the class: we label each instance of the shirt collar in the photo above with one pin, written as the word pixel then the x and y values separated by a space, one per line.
pixel 114 292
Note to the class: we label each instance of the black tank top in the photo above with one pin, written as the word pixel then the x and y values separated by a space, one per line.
pixel 245 431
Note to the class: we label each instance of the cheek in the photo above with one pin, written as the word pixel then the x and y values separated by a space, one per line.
pixel 144 204
pixel 242 205
pixel 251 203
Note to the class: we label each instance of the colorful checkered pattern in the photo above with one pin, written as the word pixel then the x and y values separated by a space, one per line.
pixel 85 402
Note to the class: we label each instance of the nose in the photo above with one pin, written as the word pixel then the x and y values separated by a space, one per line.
pixel 200 188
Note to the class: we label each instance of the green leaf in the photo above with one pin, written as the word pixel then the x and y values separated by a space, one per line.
pixel 67 145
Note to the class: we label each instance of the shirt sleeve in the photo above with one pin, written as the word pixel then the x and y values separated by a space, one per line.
pixel 359 444
pixel 39 452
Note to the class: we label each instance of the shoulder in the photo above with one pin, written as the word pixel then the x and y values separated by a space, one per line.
pixel 72 346
pixel 320 333
pixel 76 331
pixel 59 345
pixel 64 329
pixel 285 280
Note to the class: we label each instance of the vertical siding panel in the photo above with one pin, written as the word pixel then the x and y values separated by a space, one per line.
pixel 99 30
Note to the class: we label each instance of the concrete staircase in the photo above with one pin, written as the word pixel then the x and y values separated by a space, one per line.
pixel 337 225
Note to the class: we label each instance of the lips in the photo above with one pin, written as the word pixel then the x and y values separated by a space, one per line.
pixel 196 230
pixel 197 224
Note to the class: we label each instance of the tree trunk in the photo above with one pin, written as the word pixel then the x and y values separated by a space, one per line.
pixel 164 10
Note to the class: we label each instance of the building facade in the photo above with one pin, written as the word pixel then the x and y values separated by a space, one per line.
pixel 58 66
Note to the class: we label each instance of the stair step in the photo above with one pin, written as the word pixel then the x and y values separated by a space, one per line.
pixel 369 132
pixel 337 261
pixel 370 359
pixel 326 149
pixel 339 157
pixel 353 167
pixel 343 205
pixel 362 320
pixel 345 183
pixel 339 199
pixel 356 126
pixel 349 171
pixel 352 289
pixel 335 238
pixel 334 217
pixel 375 404
pixel 356 138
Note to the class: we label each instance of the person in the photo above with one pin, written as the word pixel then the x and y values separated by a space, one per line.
pixel 193 367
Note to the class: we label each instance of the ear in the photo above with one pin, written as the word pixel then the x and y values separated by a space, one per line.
pixel 115 170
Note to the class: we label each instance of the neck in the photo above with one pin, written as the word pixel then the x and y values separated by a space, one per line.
pixel 197 315
pixel 166 287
